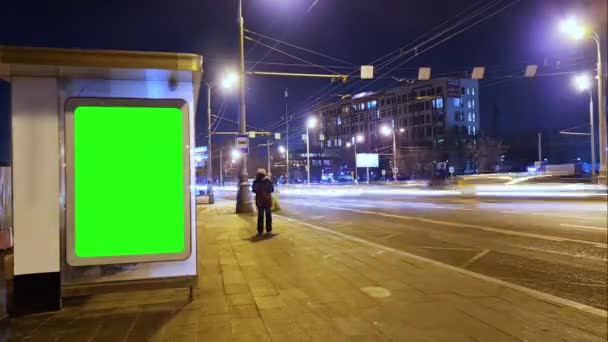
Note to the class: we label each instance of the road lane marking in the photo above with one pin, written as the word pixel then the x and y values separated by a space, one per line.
pixel 553 215
pixel 460 225
pixel 540 250
pixel 389 236
pixel 531 292
pixel 583 227
pixel 475 258
pixel 451 248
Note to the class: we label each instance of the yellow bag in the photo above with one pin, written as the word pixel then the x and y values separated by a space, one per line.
pixel 275 203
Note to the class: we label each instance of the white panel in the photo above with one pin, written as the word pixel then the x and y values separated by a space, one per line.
pixel 36 190
pixel 135 89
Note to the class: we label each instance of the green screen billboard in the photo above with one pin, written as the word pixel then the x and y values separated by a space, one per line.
pixel 129 188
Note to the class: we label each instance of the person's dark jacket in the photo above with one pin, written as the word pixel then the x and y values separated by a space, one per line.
pixel 263 187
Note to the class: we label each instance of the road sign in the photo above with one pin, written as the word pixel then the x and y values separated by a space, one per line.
pixel 367 160
pixel 242 143
pixel 367 72
pixel 252 135
pixel 395 170
pixel 277 136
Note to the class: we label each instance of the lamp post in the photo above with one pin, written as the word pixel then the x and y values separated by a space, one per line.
pixel 243 199
pixel 577 31
pixel 583 83
pixel 311 123
pixel 386 130
pixel 358 139
pixel 226 84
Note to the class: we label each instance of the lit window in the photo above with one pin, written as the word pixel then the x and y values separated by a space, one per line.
pixel 472 91
pixel 439 103
pixel 470 117
pixel 468 91
pixel 336 142
pixel 474 133
pixel 339 120
pixel 469 129
pixel 468 104
pixel 378 114
pixel 340 142
pixel 473 103
pixel 456 102
pixel 474 115
pixel 328 143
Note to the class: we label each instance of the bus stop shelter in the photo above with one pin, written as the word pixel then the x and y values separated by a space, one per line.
pixel 102 172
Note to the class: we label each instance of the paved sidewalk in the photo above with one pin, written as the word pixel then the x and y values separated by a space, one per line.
pixel 309 285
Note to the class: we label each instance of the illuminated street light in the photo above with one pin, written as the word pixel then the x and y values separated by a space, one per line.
pixel 386 130
pixel 310 124
pixel 401 130
pixel 360 138
pixel 282 149
pixel 577 30
pixel 582 83
pixel 226 84
pixel 573 28
pixel 235 154
pixel 349 145
pixel 230 80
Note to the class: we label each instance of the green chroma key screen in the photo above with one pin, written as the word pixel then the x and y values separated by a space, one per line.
pixel 128 181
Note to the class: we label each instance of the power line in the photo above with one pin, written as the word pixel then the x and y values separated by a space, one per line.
pixel 301 48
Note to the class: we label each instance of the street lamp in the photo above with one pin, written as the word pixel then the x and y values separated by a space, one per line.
pixel 282 149
pixel 235 155
pixel 310 124
pixel 357 140
pixel 583 84
pixel 227 83
pixel 386 131
pixel 243 199
pixel 575 30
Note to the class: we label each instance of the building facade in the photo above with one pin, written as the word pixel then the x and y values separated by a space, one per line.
pixel 433 121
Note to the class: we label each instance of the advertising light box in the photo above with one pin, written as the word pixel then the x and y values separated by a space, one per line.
pixel 367 160
pixel 128 197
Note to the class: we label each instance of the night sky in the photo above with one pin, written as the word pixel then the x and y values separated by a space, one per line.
pixel 355 31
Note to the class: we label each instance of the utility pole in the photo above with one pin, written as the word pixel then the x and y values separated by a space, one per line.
pixel 540 147
pixel 287 138
pixel 209 150
pixel 592 125
pixel 243 199
pixel 269 172
pixel 221 166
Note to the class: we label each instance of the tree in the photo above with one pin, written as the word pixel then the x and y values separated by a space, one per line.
pixel 485 153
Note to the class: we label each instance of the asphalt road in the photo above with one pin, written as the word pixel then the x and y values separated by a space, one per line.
pixel 557 247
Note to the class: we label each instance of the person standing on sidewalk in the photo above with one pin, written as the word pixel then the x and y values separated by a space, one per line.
pixel 263 188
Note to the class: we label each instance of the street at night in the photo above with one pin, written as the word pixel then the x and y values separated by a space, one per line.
pixel 304 170
pixel 557 247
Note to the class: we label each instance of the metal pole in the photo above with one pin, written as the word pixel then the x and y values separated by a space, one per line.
pixel 592 125
pixel 540 148
pixel 356 171
pixel 287 140
pixel 243 204
pixel 368 176
pixel 307 156
pixel 221 167
pixel 269 172
pixel 394 155
pixel 209 150
pixel 601 102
